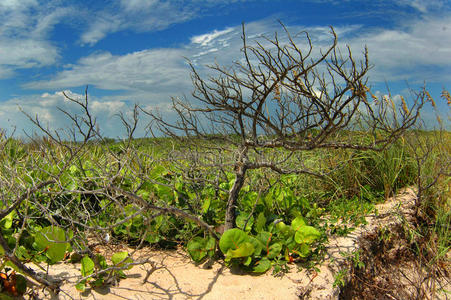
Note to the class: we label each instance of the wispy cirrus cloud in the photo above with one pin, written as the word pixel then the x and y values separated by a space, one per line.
pixel 138 16
pixel 424 6
pixel 145 16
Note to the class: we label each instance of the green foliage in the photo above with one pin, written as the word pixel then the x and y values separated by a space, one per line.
pixel 87 266
pixel 94 271
pixel 270 244
pixel 200 248
pixel 280 218
pixel 52 241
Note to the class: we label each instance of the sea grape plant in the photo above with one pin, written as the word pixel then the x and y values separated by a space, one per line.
pixel 257 252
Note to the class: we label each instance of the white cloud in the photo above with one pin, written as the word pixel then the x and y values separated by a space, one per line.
pixel 17 4
pixel 163 72
pixel 146 16
pixel 26 53
pixel 135 15
pixel 137 5
pixel 206 39
pixel 24 34
pixel 99 29
pixel 423 6
pixel 46 105
pixel 152 76
pixel 418 51
pixel 157 73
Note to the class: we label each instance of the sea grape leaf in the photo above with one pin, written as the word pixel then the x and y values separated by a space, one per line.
pixel 264 238
pixel 232 239
pixel 248 261
pixel 241 220
pixel 261 222
pixel 97 283
pixel 81 286
pixel 87 266
pixel 306 234
pixel 53 239
pixel 210 246
pixel 258 246
pixel 244 249
pixel 262 265
pixel 152 237
pixel 7 221
pixel 304 250
pixel 297 223
pixel 119 259
pixel 281 226
pixel 101 261
pixel 197 248
pixel 274 250
pixel 22 253
pixel 157 172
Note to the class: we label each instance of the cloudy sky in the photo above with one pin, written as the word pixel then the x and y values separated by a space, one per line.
pixel 135 51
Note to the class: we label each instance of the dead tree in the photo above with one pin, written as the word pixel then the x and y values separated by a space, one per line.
pixel 287 96
pixel 65 178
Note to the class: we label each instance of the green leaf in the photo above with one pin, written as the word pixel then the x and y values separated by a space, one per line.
pixel 119 259
pixel 241 220
pixel 165 192
pixel 102 261
pixel 153 238
pixel 232 239
pixel 22 253
pixel 7 221
pixel 303 250
pixel 87 266
pixel 262 266
pixel 53 239
pixel 274 250
pixel 265 238
pixel 210 246
pixel 81 286
pixel 197 248
pixel 73 169
pixel 245 249
pixel 297 223
pixel 261 222
pixel 157 172
pixel 248 261
pixel 120 274
pixel 97 283
pixel 21 284
pixel 206 205
pixel 281 226
pixel 258 246
pixel 306 234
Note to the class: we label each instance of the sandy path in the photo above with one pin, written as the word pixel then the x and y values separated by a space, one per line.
pixel 176 277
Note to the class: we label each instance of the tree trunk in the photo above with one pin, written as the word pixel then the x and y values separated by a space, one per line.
pixel 240 173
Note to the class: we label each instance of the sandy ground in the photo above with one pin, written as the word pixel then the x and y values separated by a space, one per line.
pixel 172 275
pixel 176 277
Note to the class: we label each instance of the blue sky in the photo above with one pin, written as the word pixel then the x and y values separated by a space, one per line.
pixel 131 51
